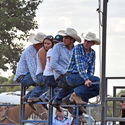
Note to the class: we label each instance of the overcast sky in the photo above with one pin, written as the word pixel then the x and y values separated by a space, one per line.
pixel 54 15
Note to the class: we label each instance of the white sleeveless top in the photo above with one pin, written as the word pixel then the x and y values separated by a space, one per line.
pixel 48 70
pixel 39 67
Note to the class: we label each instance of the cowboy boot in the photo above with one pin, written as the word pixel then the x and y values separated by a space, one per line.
pixel 76 99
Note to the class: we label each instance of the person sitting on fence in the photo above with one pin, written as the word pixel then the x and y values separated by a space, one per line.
pixel 80 71
pixel 122 110
pixel 47 78
pixel 26 68
pixel 59 61
pixel 41 63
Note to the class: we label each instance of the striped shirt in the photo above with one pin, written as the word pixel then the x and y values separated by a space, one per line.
pixel 81 62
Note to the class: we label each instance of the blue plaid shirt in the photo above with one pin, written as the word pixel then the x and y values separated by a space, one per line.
pixel 81 62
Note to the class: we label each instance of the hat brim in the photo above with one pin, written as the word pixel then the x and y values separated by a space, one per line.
pixel 76 37
pixel 97 42
pixel 32 39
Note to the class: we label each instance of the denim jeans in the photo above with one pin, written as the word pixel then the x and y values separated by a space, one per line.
pixel 40 79
pixel 77 82
pixel 62 83
pixel 38 91
pixel 64 91
pixel 27 80
pixel 50 81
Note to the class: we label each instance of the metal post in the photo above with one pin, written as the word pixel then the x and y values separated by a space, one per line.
pixel 103 62
pixel 50 107
pixel 114 104
pixel 22 107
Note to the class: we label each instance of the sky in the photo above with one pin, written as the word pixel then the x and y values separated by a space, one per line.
pixel 55 15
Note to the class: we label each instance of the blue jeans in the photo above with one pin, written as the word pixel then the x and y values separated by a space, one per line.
pixel 27 80
pixel 77 82
pixel 64 91
pixel 40 79
pixel 38 91
pixel 50 81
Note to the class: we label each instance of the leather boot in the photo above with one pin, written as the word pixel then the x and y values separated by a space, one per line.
pixel 76 99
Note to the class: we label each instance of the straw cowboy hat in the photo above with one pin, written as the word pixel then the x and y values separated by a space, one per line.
pixel 92 37
pixel 38 38
pixel 72 33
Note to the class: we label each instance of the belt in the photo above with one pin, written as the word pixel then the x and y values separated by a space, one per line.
pixel 62 76
pixel 19 78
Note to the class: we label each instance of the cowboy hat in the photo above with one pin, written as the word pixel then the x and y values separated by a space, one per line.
pixel 38 38
pixel 60 32
pixel 92 37
pixel 72 33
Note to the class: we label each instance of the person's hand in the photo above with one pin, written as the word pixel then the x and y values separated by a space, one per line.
pixel 88 83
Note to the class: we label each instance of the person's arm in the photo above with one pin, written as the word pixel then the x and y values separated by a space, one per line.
pixel 80 62
pixel 42 57
pixel 31 63
pixel 54 62
pixel 91 68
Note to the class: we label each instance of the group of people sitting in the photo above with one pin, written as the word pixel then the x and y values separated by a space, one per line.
pixel 56 62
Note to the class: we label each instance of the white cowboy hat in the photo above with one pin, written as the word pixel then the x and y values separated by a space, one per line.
pixel 72 33
pixel 60 32
pixel 92 37
pixel 38 38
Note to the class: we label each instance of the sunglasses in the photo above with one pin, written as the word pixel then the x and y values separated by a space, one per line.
pixel 49 37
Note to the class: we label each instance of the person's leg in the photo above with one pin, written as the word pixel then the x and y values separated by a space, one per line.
pixel 50 81
pixel 87 92
pixel 40 80
pixel 27 80
pixel 62 93
pixel 38 90
pixel 74 80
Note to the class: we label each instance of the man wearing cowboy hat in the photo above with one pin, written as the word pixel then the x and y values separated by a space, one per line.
pixel 81 69
pixel 26 68
pixel 60 59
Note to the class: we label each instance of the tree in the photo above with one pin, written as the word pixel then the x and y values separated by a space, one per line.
pixel 16 20
pixel 3 79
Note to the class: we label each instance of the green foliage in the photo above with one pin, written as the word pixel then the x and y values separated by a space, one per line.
pixel 3 79
pixel 16 20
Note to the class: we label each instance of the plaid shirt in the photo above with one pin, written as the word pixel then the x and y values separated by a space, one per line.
pixel 81 62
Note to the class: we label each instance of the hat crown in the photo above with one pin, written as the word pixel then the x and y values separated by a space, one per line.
pixel 39 37
pixel 71 31
pixel 91 36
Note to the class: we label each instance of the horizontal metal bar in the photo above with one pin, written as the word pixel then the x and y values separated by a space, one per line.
pixel 119 87
pixel 34 121
pixel 10 85
pixel 115 77
pixel 114 119
pixel 115 99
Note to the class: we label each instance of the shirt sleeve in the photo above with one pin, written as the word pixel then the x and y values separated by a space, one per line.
pixel 91 68
pixel 79 60
pixel 54 62
pixel 31 63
